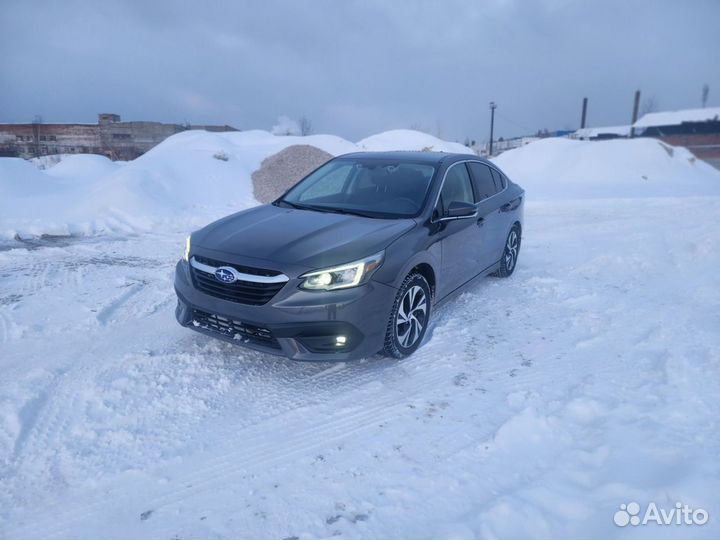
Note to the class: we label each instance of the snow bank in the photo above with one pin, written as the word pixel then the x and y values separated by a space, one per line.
pixel 187 180
pixel 408 139
pixel 32 202
pixel 85 167
pixel 566 169
pixel 195 176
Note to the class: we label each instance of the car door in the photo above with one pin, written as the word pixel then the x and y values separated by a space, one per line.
pixel 506 217
pixel 486 189
pixel 461 239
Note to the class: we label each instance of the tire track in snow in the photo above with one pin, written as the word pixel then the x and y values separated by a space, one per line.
pixel 427 372
pixel 31 279
pixel 4 326
pixel 49 416
pixel 427 369
pixel 106 313
pixel 255 451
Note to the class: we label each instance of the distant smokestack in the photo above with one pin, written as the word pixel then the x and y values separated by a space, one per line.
pixel 584 113
pixel 636 107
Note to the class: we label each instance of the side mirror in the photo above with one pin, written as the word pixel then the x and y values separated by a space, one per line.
pixel 459 209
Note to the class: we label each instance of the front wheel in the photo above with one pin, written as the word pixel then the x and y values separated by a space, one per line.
pixel 409 317
pixel 510 253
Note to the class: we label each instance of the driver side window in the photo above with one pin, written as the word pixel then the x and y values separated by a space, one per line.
pixel 457 188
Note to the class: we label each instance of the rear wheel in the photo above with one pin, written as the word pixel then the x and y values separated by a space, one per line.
pixel 409 317
pixel 510 253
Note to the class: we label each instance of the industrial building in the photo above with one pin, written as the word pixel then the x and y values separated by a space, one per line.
pixel 110 137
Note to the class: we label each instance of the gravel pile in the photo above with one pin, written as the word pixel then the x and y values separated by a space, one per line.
pixel 279 172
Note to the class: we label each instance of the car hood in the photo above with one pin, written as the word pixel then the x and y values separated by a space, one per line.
pixel 300 237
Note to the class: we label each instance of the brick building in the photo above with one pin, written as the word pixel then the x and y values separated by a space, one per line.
pixel 698 130
pixel 109 137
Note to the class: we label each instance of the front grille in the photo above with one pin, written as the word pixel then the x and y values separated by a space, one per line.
pixel 238 267
pixel 243 332
pixel 242 292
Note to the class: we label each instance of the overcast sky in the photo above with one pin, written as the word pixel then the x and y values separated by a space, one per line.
pixel 356 67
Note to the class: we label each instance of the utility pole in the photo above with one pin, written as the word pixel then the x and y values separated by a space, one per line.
pixel 584 114
pixel 636 107
pixel 493 106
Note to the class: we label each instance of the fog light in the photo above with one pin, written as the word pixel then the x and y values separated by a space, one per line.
pixel 340 341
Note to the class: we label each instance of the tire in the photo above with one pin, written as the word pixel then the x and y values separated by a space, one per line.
pixel 403 337
pixel 508 262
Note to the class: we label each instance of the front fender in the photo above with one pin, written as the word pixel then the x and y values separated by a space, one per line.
pixel 405 254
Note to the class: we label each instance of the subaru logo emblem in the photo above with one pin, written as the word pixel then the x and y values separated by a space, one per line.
pixel 225 274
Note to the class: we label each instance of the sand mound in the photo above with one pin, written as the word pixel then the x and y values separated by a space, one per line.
pixel 279 172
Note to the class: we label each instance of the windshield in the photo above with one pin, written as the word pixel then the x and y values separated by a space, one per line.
pixel 367 187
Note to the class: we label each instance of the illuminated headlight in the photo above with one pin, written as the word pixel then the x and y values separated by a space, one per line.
pixel 186 253
pixel 344 276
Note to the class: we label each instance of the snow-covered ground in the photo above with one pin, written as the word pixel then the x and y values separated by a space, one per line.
pixel 537 405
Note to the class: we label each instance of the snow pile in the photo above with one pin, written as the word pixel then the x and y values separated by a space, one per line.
pixel 84 167
pixel 32 200
pixel 195 176
pixel 187 180
pixel 408 139
pixel 565 169
pixel 45 162
pixel 197 169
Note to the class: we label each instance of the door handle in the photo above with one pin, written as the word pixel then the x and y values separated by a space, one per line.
pixel 512 205
pixel 480 222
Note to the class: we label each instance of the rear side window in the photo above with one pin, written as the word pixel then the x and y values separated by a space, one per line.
pixel 500 180
pixel 457 187
pixel 485 185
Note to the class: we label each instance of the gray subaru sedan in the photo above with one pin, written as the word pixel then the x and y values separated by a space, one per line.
pixel 353 259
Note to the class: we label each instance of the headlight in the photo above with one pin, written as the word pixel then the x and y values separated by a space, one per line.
pixel 344 276
pixel 186 253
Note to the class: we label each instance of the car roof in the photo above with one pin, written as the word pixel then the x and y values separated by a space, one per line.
pixel 434 158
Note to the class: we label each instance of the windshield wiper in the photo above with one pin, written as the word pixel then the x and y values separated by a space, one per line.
pixel 326 209
pixel 292 205
pixel 351 212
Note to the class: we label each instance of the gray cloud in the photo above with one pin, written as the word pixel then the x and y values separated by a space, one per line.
pixel 355 67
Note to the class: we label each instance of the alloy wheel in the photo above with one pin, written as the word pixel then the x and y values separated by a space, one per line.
pixel 511 250
pixel 411 316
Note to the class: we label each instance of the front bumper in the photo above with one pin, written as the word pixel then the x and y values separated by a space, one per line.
pixel 298 324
